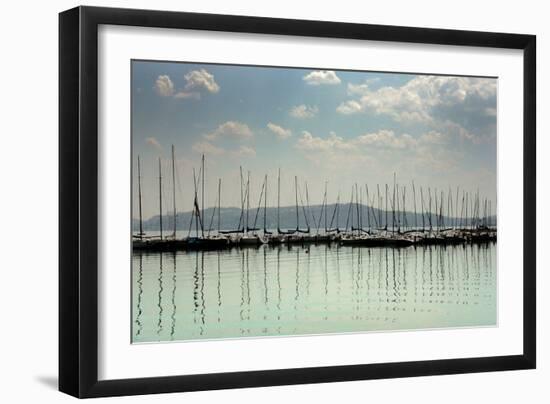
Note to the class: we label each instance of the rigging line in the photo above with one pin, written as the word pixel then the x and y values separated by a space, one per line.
pixel 323 209
pixel 311 209
pixel 303 208
pixel 241 218
pixel 378 225
pixel 212 217
pixel 259 206
pixel 334 211
pixel 349 208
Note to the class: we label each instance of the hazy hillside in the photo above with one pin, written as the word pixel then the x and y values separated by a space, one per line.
pixel 230 218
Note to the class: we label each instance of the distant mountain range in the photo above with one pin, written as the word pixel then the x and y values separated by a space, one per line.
pixel 229 218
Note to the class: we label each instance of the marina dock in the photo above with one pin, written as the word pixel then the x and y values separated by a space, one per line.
pixel 383 220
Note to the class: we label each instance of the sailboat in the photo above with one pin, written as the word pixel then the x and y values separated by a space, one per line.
pixel 138 240
pixel 200 242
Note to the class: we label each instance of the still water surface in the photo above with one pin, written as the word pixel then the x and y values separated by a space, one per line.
pixel 269 291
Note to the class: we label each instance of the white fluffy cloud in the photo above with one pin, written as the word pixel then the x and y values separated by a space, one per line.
pixel 201 79
pixel 304 111
pixel 358 89
pixel 320 77
pixel 164 86
pixel 195 80
pixel 383 139
pixel 416 100
pixel 231 129
pixel 466 104
pixel 309 142
pixel 386 139
pixel 279 131
pixel 349 107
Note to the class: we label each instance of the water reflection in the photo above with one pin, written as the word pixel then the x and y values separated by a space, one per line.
pixel 319 289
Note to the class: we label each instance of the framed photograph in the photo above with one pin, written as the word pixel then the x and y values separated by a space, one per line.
pixel 251 201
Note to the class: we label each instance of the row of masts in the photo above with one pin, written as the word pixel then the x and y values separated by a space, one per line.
pixel 439 212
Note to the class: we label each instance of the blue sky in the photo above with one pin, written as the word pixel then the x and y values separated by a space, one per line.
pixel 339 127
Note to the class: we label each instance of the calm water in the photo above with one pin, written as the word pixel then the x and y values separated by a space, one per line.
pixel 319 289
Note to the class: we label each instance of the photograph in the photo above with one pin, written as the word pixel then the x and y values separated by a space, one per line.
pixel 272 201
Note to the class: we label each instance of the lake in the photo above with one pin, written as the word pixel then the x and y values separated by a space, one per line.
pixel 316 289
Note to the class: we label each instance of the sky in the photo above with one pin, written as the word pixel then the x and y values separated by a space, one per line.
pixel 323 126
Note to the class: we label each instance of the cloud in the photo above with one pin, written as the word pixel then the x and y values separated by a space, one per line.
pixel 386 139
pixel 382 139
pixel 349 107
pixel 304 111
pixel 436 101
pixel 196 79
pixel 433 137
pixel 207 148
pixel 164 86
pixel 152 141
pixel 319 77
pixel 201 79
pixel 372 153
pixel 363 88
pixel 419 98
pixel 244 151
pixel 279 131
pixel 358 89
pixel 231 129
pixel 185 94
pixel 309 142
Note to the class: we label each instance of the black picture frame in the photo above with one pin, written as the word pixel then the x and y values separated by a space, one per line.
pixel 78 201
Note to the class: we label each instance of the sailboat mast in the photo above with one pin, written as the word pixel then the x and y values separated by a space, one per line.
pixel 278 201
pixel 247 199
pixel 386 210
pixel 466 212
pixel 219 202
pixel 393 206
pixel 405 224
pixel 296 192
pixel 325 207
pixel 160 198
pixel 437 210
pixel 202 192
pixel 422 207
pixel 195 205
pixel 456 209
pixel 415 216
pixel 139 193
pixel 357 208
pixel 368 203
pixel 265 205
pixel 174 189
pixel 430 208
pixel 441 217
pixel 242 200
